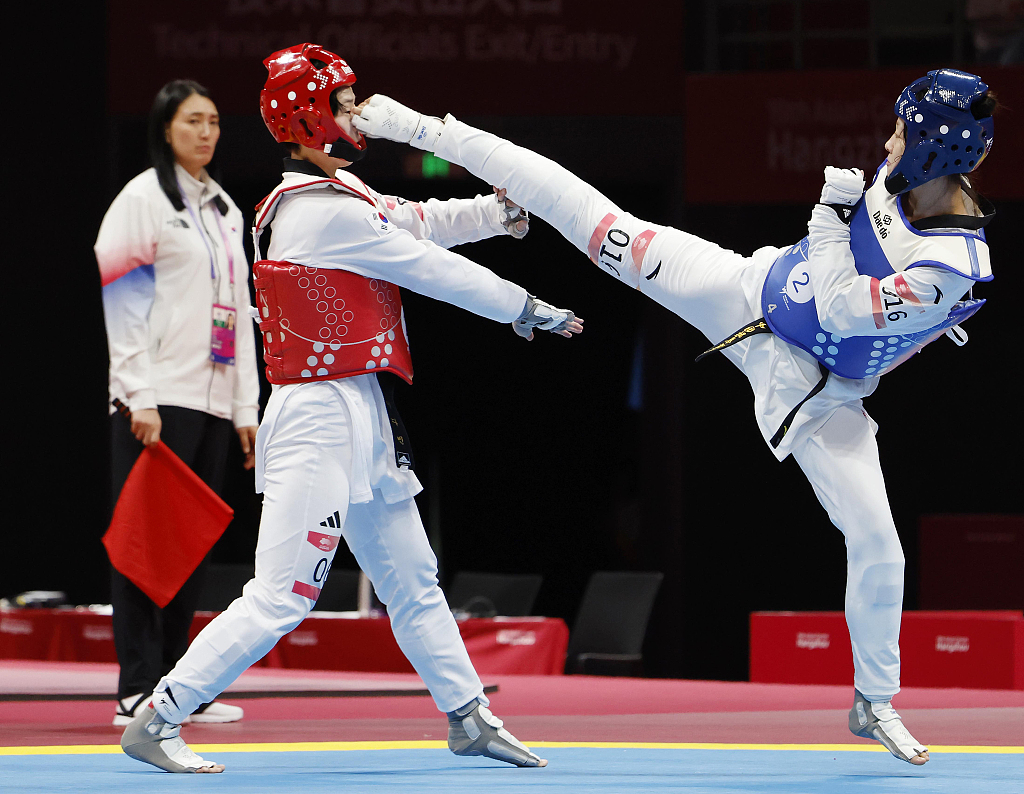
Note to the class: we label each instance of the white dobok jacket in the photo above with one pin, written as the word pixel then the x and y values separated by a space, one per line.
pixel 162 270
pixel 336 227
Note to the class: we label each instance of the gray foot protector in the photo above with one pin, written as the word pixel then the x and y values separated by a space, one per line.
pixel 153 740
pixel 880 721
pixel 478 732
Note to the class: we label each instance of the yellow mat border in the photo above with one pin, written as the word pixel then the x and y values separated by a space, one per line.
pixel 306 747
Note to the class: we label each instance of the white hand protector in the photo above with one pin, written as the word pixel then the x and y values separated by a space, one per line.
pixel 842 186
pixel 514 218
pixel 538 314
pixel 383 117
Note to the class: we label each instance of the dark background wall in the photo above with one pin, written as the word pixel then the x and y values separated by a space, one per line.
pixel 610 451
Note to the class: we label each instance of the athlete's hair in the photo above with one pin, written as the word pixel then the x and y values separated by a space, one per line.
pixel 981 108
pixel 985 105
pixel 165 105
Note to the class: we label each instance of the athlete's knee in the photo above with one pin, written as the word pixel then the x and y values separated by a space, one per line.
pixel 412 593
pixel 882 583
pixel 277 609
pixel 878 550
pixel 872 538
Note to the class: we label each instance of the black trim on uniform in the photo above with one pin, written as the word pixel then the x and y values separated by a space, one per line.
pixel 784 428
pixel 988 212
pixel 974 222
pixel 403 448
pixel 761 327
pixel 304 167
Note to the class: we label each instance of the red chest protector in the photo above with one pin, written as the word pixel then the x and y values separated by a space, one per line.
pixel 325 324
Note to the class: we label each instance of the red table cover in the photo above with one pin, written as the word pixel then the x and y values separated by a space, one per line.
pixel 528 646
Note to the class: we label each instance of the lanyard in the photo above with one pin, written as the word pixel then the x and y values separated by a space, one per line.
pixel 227 247
pixel 209 250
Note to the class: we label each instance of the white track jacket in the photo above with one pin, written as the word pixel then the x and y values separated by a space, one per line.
pixel 162 270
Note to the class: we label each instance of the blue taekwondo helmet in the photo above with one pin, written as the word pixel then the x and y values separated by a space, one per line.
pixel 942 135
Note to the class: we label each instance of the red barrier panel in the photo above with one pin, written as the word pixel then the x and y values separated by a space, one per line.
pixel 980 650
pixel 800 648
pixel 526 646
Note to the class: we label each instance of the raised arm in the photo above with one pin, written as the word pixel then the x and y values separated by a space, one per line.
pixel 354 238
pixel 457 221
pixel 850 304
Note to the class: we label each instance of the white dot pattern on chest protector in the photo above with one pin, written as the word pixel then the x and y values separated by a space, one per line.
pixel 331 309
pixel 877 359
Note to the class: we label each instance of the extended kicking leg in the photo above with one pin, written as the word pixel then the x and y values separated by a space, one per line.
pixel 699 281
pixel 614 240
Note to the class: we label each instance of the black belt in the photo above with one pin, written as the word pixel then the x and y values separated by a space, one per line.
pixel 403 449
pixel 756 327
pixel 761 327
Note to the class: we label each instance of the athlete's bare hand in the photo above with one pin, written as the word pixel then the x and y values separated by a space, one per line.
pixel 571 328
pixel 575 327
pixel 146 425
pixel 247 438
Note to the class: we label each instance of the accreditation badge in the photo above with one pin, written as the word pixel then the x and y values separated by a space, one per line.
pixel 222 339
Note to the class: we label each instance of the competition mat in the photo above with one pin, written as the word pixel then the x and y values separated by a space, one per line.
pixel 599 734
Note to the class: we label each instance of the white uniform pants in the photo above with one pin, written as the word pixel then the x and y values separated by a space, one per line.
pixel 717 291
pixel 308 468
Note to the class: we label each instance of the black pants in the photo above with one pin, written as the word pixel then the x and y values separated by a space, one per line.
pixel 150 640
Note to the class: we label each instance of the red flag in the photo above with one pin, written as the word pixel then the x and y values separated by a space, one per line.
pixel 165 522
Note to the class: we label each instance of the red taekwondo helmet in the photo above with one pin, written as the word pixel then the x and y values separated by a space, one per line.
pixel 296 100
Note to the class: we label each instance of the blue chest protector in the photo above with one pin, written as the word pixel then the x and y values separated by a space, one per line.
pixel 787 298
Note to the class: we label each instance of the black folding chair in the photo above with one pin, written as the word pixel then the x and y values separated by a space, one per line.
pixel 608 635
pixel 489 594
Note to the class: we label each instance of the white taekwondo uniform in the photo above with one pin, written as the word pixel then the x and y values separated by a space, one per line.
pixel 718 291
pixel 325 454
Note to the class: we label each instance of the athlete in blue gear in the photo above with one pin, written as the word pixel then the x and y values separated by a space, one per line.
pixel 881 273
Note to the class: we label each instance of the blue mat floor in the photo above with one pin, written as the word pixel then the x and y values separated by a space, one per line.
pixel 570 770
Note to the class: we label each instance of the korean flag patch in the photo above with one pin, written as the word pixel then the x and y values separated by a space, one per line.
pixel 380 223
